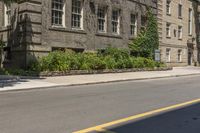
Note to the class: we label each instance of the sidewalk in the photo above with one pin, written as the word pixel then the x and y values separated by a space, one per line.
pixel 26 84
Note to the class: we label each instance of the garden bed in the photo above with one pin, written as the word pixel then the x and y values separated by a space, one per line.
pixel 86 72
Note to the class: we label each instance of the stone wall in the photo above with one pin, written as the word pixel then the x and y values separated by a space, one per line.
pixel 173 42
pixel 32 34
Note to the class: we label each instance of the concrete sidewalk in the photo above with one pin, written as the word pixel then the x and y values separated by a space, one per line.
pixel 26 84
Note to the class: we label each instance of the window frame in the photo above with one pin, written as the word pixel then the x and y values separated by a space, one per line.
pixel 143 22
pixel 168 30
pixel 180 32
pixel 77 15
pixel 102 19
pixel 179 55
pixel 168 7
pixel 168 55
pixel 7 15
pixel 61 16
pixel 133 24
pixel 190 22
pixel 115 19
pixel 180 11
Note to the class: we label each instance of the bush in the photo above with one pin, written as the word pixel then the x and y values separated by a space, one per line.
pixel 138 62
pixel 92 61
pixel 111 58
pixel 116 53
pixel 110 62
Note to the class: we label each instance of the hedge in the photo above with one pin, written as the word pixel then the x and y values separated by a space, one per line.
pixel 110 58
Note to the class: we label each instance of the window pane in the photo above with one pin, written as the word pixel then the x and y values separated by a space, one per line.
pixel 57 12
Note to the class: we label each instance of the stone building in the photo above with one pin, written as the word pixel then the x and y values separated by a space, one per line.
pixel 34 28
pixel 179 31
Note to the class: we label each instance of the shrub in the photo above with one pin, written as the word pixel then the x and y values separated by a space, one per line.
pixel 55 61
pixel 149 63
pixel 111 58
pixel 92 61
pixel 116 53
pixel 138 62
pixel 110 62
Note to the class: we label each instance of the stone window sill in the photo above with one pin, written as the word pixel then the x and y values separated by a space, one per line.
pixel 63 29
pixel 169 14
pixel 168 37
pixel 180 17
pixel 108 35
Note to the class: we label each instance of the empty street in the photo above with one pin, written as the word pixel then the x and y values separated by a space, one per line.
pixel 72 109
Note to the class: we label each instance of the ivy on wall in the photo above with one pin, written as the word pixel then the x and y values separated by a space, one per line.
pixel 147 40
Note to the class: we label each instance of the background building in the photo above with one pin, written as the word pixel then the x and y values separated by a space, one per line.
pixel 32 29
pixel 179 32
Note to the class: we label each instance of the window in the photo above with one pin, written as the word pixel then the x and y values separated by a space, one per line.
pixel 101 19
pixel 143 22
pixel 133 24
pixel 115 21
pixel 58 17
pixel 76 14
pixel 168 56
pixel 179 55
pixel 190 22
pixel 168 30
pixel 7 15
pixel 180 30
pixel 180 10
pixel 168 7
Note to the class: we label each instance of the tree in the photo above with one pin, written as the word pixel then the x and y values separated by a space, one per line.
pixel 148 40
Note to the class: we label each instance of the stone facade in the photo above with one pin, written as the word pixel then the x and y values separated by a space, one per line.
pixel 179 31
pixel 31 34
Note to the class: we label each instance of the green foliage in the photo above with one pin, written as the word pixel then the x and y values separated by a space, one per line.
pixel 116 58
pixel 110 62
pixel 111 58
pixel 91 61
pixel 116 53
pixel 148 40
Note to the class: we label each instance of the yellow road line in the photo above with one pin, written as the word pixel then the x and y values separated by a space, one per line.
pixel 138 116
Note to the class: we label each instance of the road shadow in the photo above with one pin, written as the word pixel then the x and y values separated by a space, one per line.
pixel 11 81
pixel 183 120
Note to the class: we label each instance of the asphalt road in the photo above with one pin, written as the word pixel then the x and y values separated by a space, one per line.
pixel 69 109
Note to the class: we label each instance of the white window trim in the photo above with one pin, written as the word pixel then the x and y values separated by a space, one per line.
pixel 63 15
pixel 190 21
pixel 7 18
pixel 168 29
pixel 134 25
pixel 81 17
pixel 168 6
pixel 180 32
pixel 118 21
pixel 105 19
pixel 168 55
pixel 180 10
pixel 180 55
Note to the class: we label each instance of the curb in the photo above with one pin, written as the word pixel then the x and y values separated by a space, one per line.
pixel 96 83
